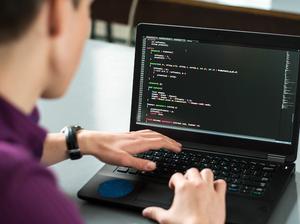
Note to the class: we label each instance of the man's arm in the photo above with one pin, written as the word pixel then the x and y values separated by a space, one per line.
pixel 112 148
pixel 55 149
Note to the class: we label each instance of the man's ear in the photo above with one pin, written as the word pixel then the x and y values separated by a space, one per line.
pixel 56 19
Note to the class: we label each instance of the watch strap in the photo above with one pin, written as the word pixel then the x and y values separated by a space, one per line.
pixel 72 142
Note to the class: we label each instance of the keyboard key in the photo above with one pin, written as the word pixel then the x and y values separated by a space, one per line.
pixel 269 169
pixel 148 157
pixel 156 159
pixel 226 168
pixel 123 169
pixel 214 161
pixel 249 183
pixel 233 186
pixel 259 189
pixel 264 179
pixel 235 181
pixel 235 170
pixel 133 171
pixel 262 184
pixel 230 189
pixel 245 177
pixel 257 193
pixel 224 173
pixel 266 174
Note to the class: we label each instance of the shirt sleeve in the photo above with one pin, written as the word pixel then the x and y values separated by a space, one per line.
pixel 36 199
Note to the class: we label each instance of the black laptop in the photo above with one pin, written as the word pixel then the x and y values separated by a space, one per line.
pixel 231 98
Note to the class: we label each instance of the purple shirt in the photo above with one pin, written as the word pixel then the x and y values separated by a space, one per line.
pixel 28 190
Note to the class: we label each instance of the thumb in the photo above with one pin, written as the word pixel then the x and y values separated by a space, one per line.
pixel 154 213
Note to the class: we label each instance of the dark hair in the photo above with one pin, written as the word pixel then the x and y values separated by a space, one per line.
pixel 16 16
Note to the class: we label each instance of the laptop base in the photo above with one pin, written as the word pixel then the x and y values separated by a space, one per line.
pixel 147 192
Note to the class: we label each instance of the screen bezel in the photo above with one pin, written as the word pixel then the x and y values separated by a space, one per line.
pixel 229 37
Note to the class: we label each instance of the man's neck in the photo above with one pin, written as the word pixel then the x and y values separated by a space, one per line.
pixel 22 75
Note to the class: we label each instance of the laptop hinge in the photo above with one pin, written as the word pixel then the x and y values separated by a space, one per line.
pixel 276 158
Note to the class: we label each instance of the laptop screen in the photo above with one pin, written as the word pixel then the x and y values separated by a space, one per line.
pixel 218 89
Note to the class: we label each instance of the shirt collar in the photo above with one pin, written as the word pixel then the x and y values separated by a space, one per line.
pixel 21 129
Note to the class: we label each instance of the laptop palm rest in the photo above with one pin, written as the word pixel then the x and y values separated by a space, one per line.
pixel 127 191
pixel 155 194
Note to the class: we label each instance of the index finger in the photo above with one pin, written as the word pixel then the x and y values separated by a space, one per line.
pixel 176 180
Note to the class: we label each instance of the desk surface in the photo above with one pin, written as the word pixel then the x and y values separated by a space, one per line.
pixel 100 99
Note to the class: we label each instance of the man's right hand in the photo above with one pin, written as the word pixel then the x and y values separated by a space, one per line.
pixel 119 148
pixel 198 200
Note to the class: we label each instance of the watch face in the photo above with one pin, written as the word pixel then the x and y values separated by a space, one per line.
pixel 76 127
pixel 64 130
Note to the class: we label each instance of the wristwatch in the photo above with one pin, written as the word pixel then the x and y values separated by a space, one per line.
pixel 71 141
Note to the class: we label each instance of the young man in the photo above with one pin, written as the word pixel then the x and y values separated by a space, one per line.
pixel 40 46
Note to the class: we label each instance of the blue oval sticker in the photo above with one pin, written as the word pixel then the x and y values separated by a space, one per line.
pixel 116 188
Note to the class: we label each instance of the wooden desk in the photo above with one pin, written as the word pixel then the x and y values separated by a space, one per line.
pixel 100 98
pixel 279 18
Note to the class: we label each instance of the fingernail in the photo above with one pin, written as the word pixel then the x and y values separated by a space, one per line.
pixel 150 166
pixel 145 212
pixel 179 149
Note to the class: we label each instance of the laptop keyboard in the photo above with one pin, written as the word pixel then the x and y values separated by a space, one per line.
pixel 243 176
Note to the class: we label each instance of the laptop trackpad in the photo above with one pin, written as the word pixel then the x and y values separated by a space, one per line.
pixel 155 194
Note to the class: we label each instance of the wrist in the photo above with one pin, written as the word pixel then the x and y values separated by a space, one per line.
pixel 90 142
pixel 83 137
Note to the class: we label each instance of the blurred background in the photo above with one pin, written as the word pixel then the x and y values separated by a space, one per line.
pixel 115 20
